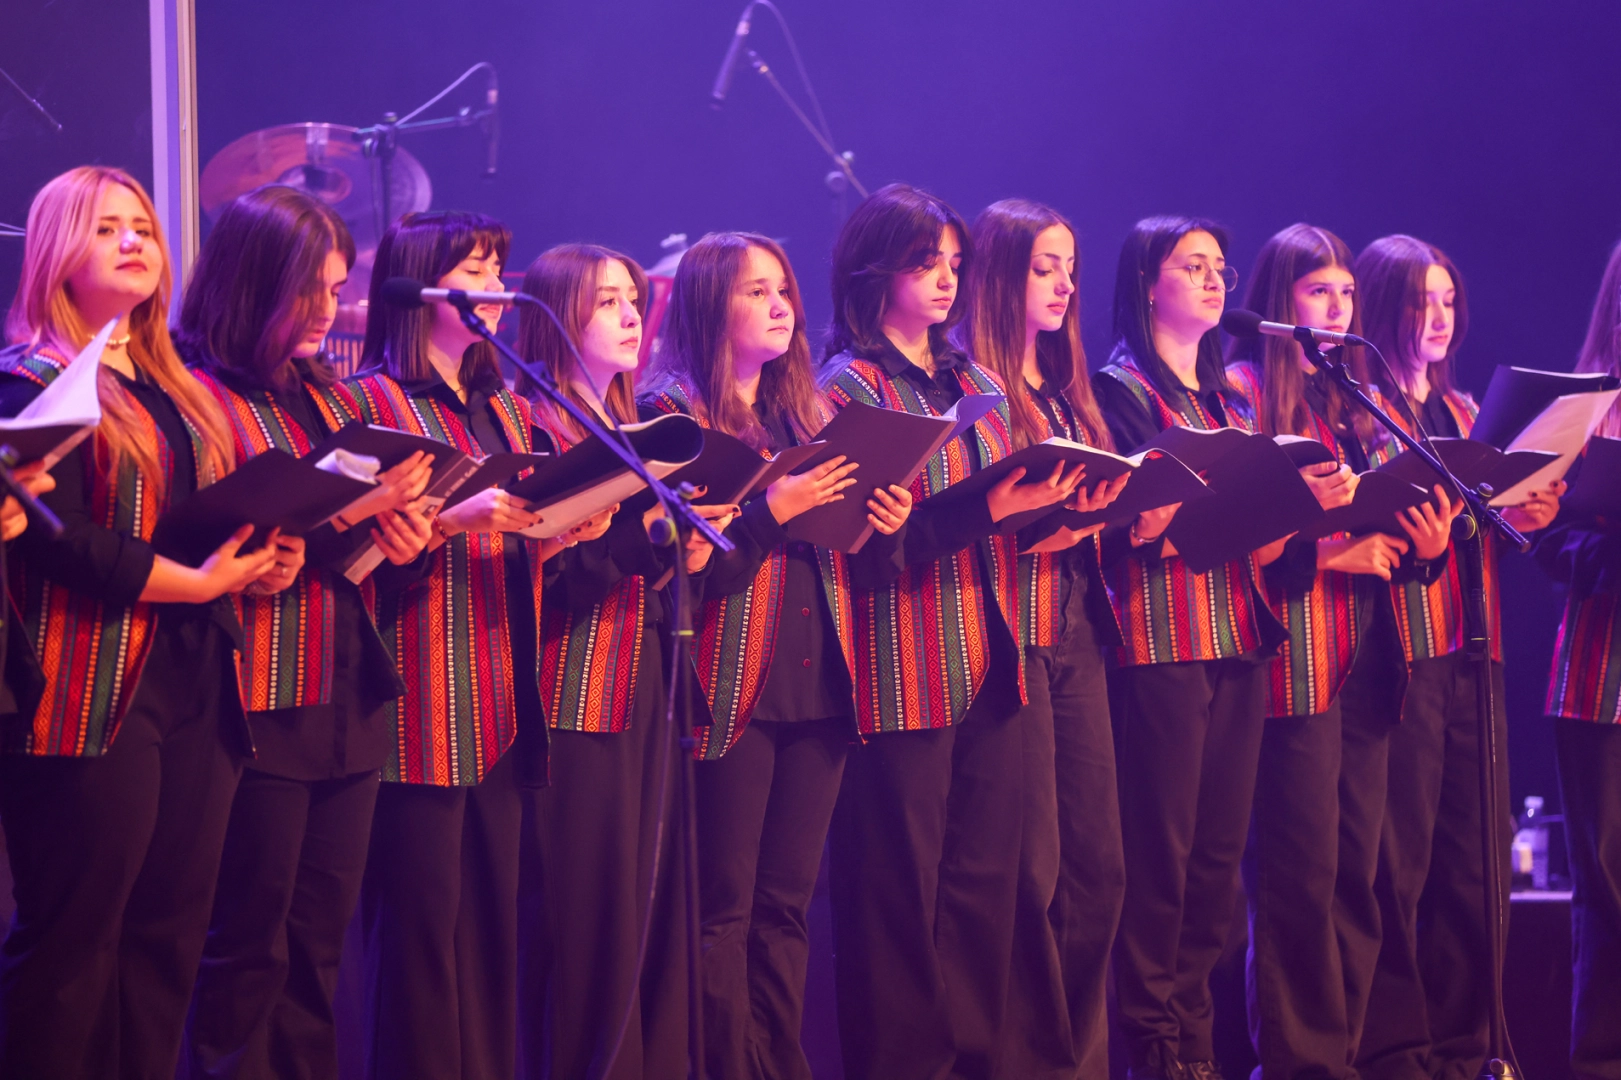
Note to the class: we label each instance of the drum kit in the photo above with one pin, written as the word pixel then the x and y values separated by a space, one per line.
pixel 340 166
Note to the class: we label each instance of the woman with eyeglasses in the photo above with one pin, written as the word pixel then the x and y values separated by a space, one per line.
pixel 1428 1010
pixel 1319 796
pixel 1188 692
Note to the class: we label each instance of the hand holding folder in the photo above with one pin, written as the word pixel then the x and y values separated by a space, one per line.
pixel 888 447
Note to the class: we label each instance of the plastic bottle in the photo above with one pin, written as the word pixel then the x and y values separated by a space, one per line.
pixel 1530 849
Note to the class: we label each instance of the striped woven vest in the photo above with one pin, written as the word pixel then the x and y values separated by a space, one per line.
pixel 1041 620
pixel 92 654
pixel 288 655
pixel 1429 617
pixel 1324 623
pixel 1586 679
pixel 736 635
pixel 918 651
pixel 589 661
pixel 1168 613
pixel 449 632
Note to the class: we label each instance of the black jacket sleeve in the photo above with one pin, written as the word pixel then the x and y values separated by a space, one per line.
pixel 88 557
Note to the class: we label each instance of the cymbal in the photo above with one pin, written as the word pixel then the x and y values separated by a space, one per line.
pixel 325 160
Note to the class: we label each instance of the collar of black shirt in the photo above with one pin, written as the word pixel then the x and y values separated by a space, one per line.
pixel 896 365
pixel 486 385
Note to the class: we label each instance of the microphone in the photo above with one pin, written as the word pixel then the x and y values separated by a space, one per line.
pixel 723 81
pixel 1248 324
pixel 403 292
pixel 492 133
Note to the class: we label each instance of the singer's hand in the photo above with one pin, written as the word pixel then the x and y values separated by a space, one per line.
pixel 1099 498
pixel 888 510
pixel 13 519
pixel 793 495
pixel 402 535
pixel 1334 485
pixel 1375 554
pixel 1538 510
pixel 1010 497
pixel 698 546
pixel 395 488
pixel 282 573
pixel 491 510
pixel 1429 528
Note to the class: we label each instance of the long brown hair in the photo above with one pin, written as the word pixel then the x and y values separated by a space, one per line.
pixel 698 355
pixel 1285 259
pixel 426 247
pixel 258 287
pixel 1601 352
pixel 566 277
pixel 993 329
pixel 896 230
pixel 61 228
pixel 1390 276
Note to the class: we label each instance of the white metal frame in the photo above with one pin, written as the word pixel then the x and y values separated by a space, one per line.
pixel 174 129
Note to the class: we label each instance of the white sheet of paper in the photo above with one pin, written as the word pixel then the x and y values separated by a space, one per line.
pixel 72 398
pixel 1563 428
pixel 562 516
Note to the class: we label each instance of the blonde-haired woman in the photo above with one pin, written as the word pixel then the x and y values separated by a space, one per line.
pixel 115 790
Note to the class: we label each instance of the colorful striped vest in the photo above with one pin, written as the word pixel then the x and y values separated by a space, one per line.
pixel 1586 679
pixel 92 654
pixel 918 651
pixel 589 661
pixel 448 632
pixel 1325 623
pixel 1168 613
pixel 736 635
pixel 1041 619
pixel 287 659
pixel 1429 618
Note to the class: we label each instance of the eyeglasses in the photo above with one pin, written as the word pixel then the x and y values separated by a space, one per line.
pixel 1198 273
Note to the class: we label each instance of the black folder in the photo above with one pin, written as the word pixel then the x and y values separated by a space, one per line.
pixel 1472 462
pixel 732 471
pixel 1516 396
pixel 1597 488
pixel 890 447
pixel 391 446
pixel 1379 497
pixel 269 490
pixel 1257 495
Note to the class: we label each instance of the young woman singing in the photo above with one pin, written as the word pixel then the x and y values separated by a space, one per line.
pixel 116 789
pixel 925 840
pixel 608 1006
pixel 1427 1011
pixel 768 656
pixel 1023 325
pixel 1583 552
pixel 439 900
pixel 1189 690
pixel 1320 789
pixel 315 675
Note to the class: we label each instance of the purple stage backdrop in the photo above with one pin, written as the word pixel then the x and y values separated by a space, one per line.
pixel 1490 130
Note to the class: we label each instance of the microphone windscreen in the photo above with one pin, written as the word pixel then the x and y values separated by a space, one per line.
pixel 1241 323
pixel 402 292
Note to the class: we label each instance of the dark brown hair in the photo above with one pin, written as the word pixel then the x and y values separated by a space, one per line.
pixel 257 288
pixel 565 278
pixel 697 355
pixel 425 247
pixel 1390 276
pixel 993 328
pixel 896 230
pixel 1148 244
pixel 1285 259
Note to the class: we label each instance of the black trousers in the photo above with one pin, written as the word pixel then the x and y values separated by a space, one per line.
pixel 1590 784
pixel 592 848
pixel 763 815
pixel 1189 740
pixel 294 857
pixel 1072 877
pixel 925 866
pixel 1428 1013
pixel 114 861
pixel 439 908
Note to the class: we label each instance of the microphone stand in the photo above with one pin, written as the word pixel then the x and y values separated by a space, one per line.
pixel 1477 649
pixel 843 176
pixel 679 522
